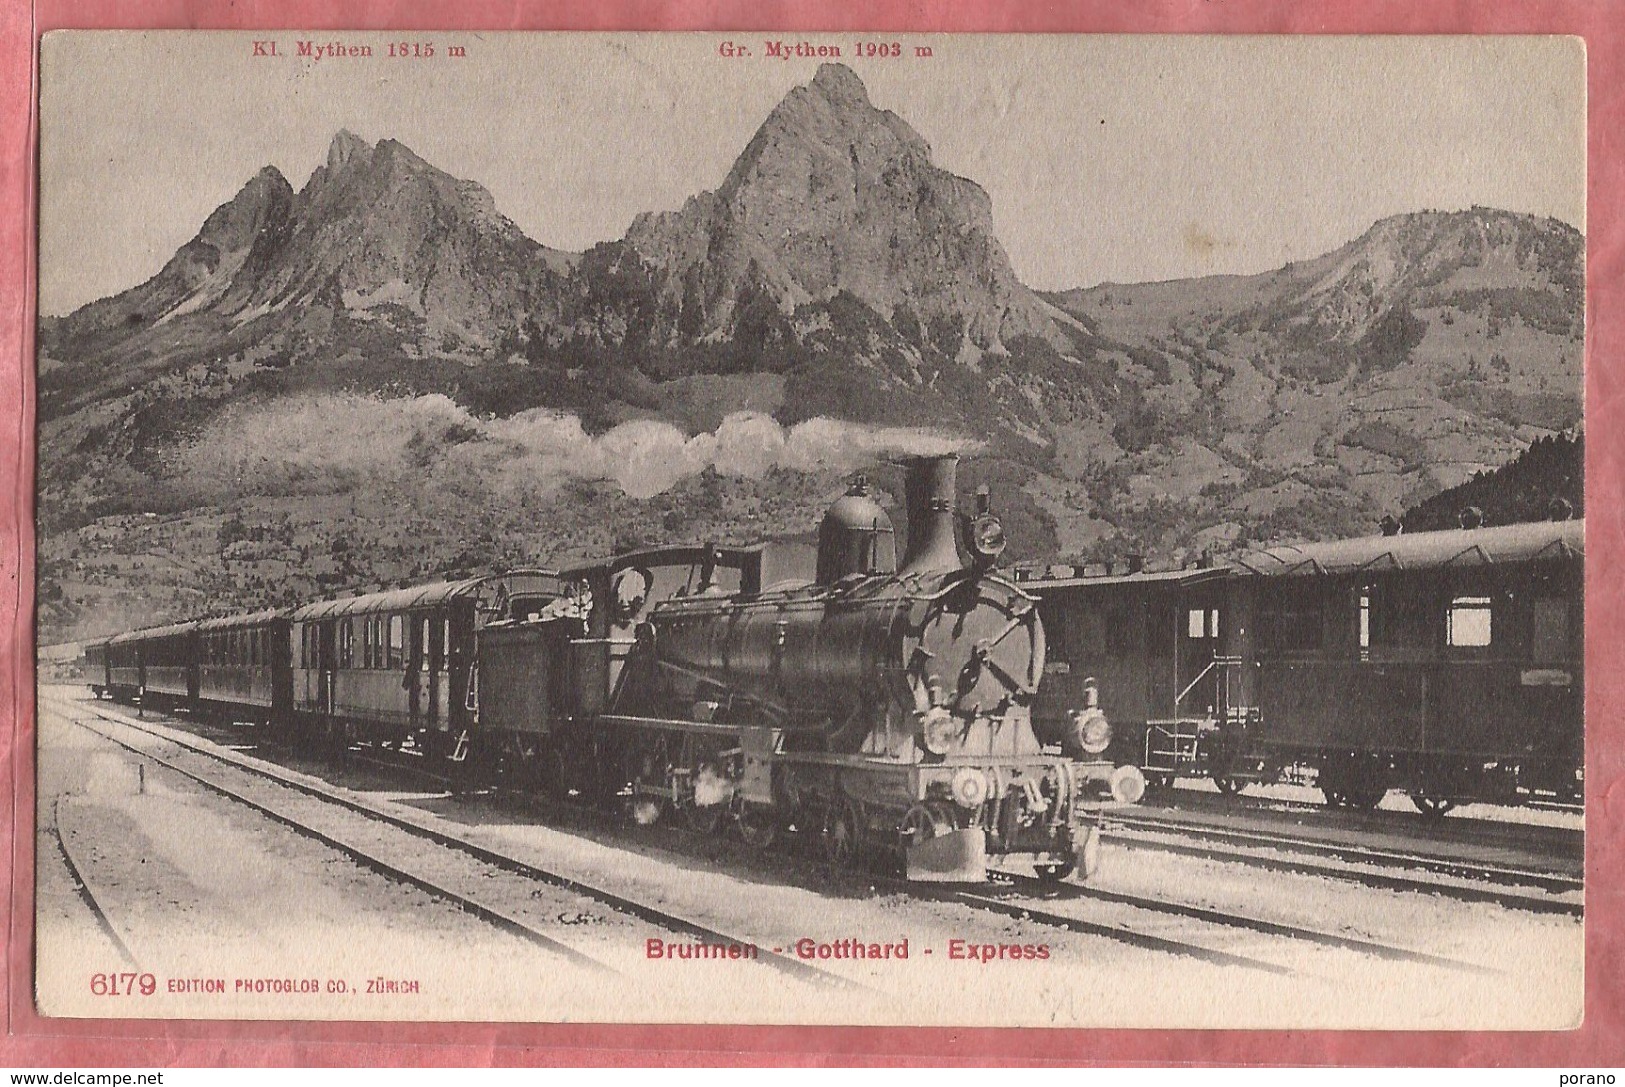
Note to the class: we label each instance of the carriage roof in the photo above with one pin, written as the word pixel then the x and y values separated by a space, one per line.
pixel 1499 545
pixel 420 596
pixel 250 619
pixel 153 633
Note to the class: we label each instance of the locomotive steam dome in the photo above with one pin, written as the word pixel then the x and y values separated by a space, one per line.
pixel 856 537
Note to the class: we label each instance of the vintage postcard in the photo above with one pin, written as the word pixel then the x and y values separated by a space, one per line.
pixel 827 528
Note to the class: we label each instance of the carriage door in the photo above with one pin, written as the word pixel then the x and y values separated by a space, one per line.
pixel 438 680
pixel 423 703
pixel 1199 672
pixel 326 663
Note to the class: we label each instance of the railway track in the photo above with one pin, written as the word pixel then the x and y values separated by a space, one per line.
pixel 1118 933
pixel 1032 901
pixel 1034 898
pixel 1036 889
pixel 479 905
pixel 87 894
pixel 1383 868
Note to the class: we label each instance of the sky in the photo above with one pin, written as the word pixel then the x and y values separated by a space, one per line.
pixel 1107 159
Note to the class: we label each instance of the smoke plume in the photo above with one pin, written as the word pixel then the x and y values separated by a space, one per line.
pixel 329 443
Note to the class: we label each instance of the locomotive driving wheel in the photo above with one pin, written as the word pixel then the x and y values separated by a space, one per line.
pixel 707 820
pixel 758 827
pixel 841 834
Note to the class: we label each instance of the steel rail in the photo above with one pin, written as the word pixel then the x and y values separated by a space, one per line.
pixel 654 915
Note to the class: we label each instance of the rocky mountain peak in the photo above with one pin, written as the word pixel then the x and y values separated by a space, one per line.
pixel 839 84
pixel 346 146
pixel 834 196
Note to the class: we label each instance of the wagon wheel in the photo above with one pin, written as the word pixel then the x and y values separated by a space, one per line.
pixel 1088 854
pixel 1228 785
pixel 1432 807
pixel 1159 781
pixel 1054 873
pixel 840 835
pixel 1366 795
pixel 920 824
pixel 758 827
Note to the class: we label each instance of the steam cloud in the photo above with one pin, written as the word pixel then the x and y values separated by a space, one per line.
pixel 334 442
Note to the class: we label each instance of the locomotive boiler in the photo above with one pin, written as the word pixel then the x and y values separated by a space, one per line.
pixel 883 705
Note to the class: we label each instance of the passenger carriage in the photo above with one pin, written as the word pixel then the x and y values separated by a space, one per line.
pixel 1449 664
pixel 157 666
pixel 398 664
pixel 243 665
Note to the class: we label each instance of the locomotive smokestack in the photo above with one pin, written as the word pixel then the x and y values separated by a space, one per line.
pixel 933 541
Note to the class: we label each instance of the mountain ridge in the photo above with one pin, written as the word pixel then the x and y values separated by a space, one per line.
pixel 836 272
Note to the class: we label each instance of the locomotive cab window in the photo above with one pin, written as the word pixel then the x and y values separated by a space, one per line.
pixel 1469 622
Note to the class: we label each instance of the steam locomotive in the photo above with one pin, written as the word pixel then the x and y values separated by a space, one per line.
pixel 882 707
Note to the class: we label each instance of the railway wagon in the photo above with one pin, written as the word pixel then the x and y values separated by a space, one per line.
pixel 243 665
pixel 95 666
pixel 1169 653
pixel 1448 664
pixel 156 666
pixel 399 664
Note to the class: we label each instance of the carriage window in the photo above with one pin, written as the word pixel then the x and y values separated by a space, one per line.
pixel 1296 623
pixel 1469 621
pixel 346 643
pixel 1202 623
pixel 1402 616
pixel 1549 640
pixel 445 643
pixel 397 641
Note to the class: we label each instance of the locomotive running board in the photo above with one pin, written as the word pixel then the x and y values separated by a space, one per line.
pixel 959 856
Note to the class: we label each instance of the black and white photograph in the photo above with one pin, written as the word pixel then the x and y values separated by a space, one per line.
pixel 831 528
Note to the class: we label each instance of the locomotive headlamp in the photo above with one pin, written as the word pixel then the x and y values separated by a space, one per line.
pixel 986 538
pixel 969 787
pixel 1128 784
pixel 1090 731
